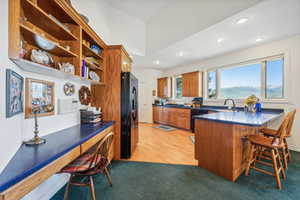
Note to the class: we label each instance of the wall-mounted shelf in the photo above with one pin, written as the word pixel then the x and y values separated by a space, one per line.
pixel 60 23
pixel 29 34
pixel 93 66
pixel 41 19
pixel 87 51
pixel 48 71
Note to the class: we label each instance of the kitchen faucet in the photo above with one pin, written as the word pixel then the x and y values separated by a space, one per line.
pixel 233 103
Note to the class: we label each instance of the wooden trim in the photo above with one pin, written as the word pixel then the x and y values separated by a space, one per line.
pixel 14 30
pixel 24 187
pixel 91 142
pixel 120 47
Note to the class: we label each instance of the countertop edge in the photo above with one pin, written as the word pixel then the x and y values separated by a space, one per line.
pixel 240 123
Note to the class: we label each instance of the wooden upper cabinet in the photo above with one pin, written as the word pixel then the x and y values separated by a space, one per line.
pixel 162 87
pixel 192 84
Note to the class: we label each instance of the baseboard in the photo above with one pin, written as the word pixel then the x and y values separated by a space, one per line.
pixel 294 148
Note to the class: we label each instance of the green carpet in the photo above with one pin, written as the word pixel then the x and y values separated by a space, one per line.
pixel 150 181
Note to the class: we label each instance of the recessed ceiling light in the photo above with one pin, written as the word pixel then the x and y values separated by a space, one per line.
pixel 157 62
pixel 242 20
pixel 180 53
pixel 220 40
pixel 258 39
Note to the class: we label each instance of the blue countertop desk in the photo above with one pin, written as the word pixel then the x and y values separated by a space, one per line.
pixel 30 159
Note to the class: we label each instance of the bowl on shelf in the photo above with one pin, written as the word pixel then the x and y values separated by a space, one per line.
pixel 85 18
pixel 43 43
pixel 96 49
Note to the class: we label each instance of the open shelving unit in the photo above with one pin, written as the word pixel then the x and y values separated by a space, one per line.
pixel 59 23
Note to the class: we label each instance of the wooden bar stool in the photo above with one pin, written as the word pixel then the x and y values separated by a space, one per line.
pixel 260 144
pixel 286 154
pixel 93 162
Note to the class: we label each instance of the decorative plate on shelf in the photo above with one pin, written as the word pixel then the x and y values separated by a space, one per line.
pixel 69 89
pixel 94 76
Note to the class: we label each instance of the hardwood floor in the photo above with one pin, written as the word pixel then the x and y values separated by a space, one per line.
pixel 170 147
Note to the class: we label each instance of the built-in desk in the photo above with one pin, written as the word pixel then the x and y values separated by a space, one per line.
pixel 32 165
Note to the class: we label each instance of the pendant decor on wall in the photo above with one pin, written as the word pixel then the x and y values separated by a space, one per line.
pixel 85 95
pixel 14 93
pixel 69 89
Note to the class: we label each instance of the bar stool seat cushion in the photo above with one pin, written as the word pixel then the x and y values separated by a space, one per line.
pixel 82 163
pixel 264 141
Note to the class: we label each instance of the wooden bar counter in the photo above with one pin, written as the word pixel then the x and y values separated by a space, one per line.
pixel 220 144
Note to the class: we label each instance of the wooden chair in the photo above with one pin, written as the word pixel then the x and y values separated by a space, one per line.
pixel 93 162
pixel 259 144
pixel 286 154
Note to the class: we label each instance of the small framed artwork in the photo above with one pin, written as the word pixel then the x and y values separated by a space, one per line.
pixel 39 96
pixel 14 93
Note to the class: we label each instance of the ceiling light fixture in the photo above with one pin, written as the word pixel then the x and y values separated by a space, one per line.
pixel 220 40
pixel 157 62
pixel 242 20
pixel 180 53
pixel 258 39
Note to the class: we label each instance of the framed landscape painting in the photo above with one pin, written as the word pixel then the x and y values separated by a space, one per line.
pixel 14 93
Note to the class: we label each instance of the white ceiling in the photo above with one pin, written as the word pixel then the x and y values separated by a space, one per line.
pixel 141 9
pixel 270 20
pixel 168 24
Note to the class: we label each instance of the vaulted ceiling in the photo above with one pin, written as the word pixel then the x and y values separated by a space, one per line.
pixel 179 32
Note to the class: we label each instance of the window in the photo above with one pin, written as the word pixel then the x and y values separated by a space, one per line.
pixel 212 84
pixel 263 78
pixel 274 79
pixel 178 87
pixel 240 82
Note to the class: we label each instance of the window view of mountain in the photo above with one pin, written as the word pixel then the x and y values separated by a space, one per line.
pixel 243 92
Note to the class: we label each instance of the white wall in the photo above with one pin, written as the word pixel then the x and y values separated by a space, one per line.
pixel 114 26
pixel 10 135
pixel 128 31
pixel 147 82
pixel 98 13
pixel 16 129
pixel 290 47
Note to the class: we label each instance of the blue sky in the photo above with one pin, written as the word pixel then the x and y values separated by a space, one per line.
pixel 250 75
pixel 274 73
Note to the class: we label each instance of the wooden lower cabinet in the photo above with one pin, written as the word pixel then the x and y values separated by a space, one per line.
pixel 177 117
pixel 221 148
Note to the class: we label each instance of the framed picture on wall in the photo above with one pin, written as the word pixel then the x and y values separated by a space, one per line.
pixel 39 97
pixel 14 93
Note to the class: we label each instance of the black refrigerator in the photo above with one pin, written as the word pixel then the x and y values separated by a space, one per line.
pixel 129 114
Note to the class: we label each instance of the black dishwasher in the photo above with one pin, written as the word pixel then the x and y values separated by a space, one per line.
pixel 194 112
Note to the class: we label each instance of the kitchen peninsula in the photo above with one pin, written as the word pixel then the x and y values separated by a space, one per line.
pixel 220 143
